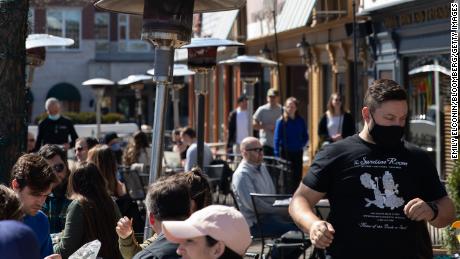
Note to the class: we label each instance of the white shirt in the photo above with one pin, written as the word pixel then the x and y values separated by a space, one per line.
pixel 242 126
pixel 334 125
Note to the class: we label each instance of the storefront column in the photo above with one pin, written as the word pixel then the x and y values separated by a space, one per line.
pixel 315 107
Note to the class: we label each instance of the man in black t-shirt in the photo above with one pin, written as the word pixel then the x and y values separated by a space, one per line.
pixel 55 129
pixel 381 190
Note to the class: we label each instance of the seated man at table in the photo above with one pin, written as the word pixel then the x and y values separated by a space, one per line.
pixel 252 176
pixel 188 136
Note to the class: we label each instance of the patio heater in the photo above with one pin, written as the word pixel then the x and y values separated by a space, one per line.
pixel 98 85
pixel 250 70
pixel 179 74
pixel 167 24
pixel 36 52
pixel 202 53
pixel 136 83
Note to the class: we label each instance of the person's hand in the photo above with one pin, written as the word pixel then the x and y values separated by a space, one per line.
pixel 418 210
pixel 321 234
pixel 53 256
pixel 124 227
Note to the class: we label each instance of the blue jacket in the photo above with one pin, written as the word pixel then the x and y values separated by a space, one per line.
pixel 40 225
pixel 296 135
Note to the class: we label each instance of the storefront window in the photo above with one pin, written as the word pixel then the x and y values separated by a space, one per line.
pixel 129 34
pixel 64 23
pixel 101 31
pixel 428 77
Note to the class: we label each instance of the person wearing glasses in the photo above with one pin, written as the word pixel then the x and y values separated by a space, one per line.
pixel 56 203
pixel 336 123
pixel 252 176
pixel 82 146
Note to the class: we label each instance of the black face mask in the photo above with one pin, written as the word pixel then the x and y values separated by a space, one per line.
pixel 388 137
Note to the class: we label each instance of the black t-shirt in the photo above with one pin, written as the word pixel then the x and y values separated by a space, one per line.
pixel 56 132
pixel 367 189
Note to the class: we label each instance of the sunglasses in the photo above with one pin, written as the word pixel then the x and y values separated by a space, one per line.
pixel 79 149
pixel 59 168
pixel 257 149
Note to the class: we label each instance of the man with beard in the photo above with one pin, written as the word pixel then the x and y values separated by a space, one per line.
pixel 56 204
pixel 32 180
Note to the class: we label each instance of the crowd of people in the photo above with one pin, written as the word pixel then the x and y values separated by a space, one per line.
pixel 382 190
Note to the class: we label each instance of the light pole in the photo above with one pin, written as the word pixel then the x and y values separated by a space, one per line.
pixel 136 83
pixel 202 54
pixel 250 70
pixel 179 74
pixel 167 24
pixel 98 85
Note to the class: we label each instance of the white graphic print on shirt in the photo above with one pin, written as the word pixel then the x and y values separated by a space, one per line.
pixel 388 198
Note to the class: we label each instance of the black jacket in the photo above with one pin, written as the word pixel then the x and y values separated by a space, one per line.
pixel 161 248
pixel 231 129
pixel 348 127
pixel 55 132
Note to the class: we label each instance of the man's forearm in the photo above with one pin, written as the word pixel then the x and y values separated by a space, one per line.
pixel 302 213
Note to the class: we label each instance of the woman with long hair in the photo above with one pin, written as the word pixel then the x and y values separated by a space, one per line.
pixel 138 150
pixel 91 215
pixel 290 138
pixel 104 158
pixel 336 123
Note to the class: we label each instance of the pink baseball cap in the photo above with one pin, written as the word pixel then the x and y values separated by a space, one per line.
pixel 220 222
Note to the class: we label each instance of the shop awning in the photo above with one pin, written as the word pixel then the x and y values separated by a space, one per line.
pixel 295 14
pixel 215 25
pixel 218 24
pixel 64 92
pixel 368 6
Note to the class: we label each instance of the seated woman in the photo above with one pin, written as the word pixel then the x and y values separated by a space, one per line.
pixel 138 150
pixel 91 215
pixel 104 158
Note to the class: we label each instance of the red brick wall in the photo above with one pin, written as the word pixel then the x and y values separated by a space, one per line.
pixel 87 18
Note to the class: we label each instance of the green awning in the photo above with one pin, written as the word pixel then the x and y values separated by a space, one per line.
pixel 64 92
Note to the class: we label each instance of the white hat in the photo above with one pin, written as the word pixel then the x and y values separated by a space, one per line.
pixel 220 222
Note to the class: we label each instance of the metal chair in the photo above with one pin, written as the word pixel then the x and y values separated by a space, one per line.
pixel 279 170
pixel 215 174
pixel 300 241
pixel 133 183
